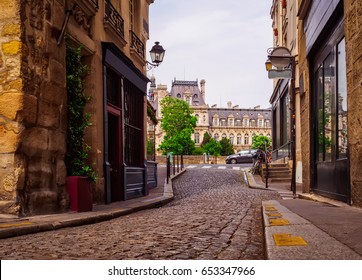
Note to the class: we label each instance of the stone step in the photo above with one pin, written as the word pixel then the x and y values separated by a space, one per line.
pixel 279 175
pixel 279 180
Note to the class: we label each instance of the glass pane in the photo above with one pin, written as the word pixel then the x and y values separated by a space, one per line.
pixel 342 100
pixel 319 94
pixel 329 107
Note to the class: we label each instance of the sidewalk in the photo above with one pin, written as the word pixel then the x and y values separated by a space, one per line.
pixel 309 227
pixel 13 226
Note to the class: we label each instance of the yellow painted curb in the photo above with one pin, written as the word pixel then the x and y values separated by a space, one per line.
pixel 274 214
pixel 279 222
pixel 286 239
pixel 270 208
pixel 16 225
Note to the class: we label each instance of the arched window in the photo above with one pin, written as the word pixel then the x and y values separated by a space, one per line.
pixel 246 121
pixel 187 99
pixel 197 138
pixel 216 137
pixel 246 139
pixel 178 95
pixel 232 139
pixel 238 139
pixel 197 118
pixel 223 136
pixel 252 123
pixel 215 120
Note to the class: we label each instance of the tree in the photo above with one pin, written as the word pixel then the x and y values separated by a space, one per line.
pixel 178 123
pixel 260 141
pixel 213 147
pixel 226 147
pixel 205 139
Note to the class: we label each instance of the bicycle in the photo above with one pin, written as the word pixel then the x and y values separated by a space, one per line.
pixel 255 168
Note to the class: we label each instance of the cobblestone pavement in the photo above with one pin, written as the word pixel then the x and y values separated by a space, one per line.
pixel 213 216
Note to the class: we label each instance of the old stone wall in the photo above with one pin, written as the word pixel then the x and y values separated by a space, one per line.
pixel 353 32
pixel 33 111
pixel 11 102
pixel 305 129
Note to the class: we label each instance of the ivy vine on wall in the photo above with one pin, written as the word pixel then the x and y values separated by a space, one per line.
pixel 78 119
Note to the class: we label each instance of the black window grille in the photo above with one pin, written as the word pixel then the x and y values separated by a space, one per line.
pixel 133 125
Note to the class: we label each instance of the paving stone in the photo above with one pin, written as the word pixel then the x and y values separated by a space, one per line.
pixel 214 216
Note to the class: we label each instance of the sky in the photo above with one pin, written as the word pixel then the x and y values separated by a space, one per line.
pixel 223 42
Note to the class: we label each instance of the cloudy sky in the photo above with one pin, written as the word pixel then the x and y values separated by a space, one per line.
pixel 223 42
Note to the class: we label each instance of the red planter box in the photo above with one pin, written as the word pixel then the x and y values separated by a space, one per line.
pixel 80 193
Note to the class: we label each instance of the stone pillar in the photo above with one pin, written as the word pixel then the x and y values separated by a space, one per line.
pixel 353 32
pixel 33 108
pixel 305 129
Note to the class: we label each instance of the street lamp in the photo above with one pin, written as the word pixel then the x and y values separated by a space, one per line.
pixel 281 58
pixel 157 53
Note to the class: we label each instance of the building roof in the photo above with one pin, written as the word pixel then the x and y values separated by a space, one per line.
pixel 182 89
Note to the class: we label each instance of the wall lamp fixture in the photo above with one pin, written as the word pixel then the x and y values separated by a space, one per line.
pixel 157 53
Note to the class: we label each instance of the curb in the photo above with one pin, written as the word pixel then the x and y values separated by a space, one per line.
pixel 291 237
pixel 86 218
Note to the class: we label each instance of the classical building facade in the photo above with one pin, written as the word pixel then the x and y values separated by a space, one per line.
pixel 234 123
pixel 33 99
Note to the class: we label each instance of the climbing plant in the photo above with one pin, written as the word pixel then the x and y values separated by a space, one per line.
pixel 78 120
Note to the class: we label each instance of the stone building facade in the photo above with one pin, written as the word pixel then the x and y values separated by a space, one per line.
pixel 329 95
pixel 33 98
pixel 236 124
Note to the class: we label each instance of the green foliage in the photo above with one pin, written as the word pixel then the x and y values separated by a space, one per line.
pixel 213 147
pixel 206 139
pixel 198 151
pixel 150 147
pixel 259 142
pixel 178 123
pixel 78 120
pixel 226 147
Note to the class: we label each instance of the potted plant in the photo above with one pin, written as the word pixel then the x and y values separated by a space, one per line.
pixel 80 174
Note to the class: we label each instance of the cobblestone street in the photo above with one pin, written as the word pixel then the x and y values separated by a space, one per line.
pixel 213 216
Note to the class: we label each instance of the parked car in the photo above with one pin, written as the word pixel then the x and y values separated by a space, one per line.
pixel 245 156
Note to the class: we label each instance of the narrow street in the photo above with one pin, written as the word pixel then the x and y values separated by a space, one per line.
pixel 214 216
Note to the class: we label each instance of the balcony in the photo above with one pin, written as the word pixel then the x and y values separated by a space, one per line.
pixel 114 23
pixel 137 48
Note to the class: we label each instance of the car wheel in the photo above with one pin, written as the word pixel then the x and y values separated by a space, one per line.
pixel 233 161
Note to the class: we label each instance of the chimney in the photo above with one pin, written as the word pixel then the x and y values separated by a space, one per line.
pixel 229 104
pixel 202 84
pixel 257 107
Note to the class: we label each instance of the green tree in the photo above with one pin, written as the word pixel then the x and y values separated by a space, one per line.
pixel 178 123
pixel 226 147
pixel 205 139
pixel 213 147
pixel 260 141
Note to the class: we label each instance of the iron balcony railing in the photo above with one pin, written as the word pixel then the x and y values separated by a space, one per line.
pixel 113 18
pixel 137 44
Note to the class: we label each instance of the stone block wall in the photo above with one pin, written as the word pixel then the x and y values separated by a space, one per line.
pixel 32 110
pixel 353 32
pixel 305 129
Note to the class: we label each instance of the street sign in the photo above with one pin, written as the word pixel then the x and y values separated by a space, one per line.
pixel 280 74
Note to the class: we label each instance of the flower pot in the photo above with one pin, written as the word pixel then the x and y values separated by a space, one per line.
pixel 80 193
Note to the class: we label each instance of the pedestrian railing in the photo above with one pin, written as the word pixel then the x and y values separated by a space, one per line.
pixel 282 152
pixel 174 165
